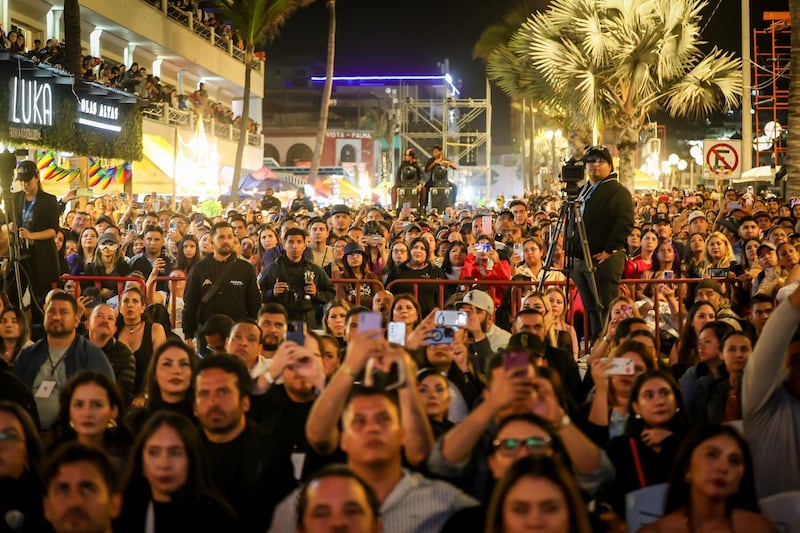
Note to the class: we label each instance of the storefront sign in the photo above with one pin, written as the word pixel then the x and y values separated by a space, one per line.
pixel 98 115
pixel 31 102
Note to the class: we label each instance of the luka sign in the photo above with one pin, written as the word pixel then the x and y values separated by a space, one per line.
pixel 31 107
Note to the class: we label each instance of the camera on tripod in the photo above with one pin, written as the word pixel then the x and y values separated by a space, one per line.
pixel 572 175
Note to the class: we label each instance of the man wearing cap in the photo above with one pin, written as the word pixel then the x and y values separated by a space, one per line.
pixel 663 228
pixel 698 223
pixel 763 220
pixel 608 218
pixel 479 307
pixel 340 222
pixel 768 281
pixel 35 222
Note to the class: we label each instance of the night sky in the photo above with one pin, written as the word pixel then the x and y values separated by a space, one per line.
pixel 411 37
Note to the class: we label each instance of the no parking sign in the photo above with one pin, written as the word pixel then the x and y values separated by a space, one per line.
pixel 721 159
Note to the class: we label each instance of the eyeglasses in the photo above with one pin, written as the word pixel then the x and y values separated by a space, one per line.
pixel 509 447
pixel 110 245
pixel 9 437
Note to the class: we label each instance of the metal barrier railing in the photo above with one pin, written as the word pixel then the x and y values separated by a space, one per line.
pixel 173 298
pixel 342 284
pixel 98 281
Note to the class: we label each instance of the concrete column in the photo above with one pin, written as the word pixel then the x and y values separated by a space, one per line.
pixel 54 17
pixel 127 55
pixel 179 81
pixel 156 67
pixel 94 42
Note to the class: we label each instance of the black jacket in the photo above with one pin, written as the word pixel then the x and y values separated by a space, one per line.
pixel 607 216
pixel 237 297
pixel 298 307
pixel 43 263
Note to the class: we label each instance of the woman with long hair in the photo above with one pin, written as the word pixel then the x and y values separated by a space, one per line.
pixel 330 349
pixel 666 264
pixel 656 424
pixel 87 245
pixel 108 261
pixel 484 263
pixel 620 308
pixel 606 415
pixel 138 331
pixel 454 258
pixel 718 399
pixel 433 388
pixel 712 487
pixel 693 263
pixel 61 251
pixel 20 470
pixel 633 242
pixel 92 411
pixel 14 332
pixel 718 253
pixel 268 240
pixel 684 351
pixel 639 264
pixel 537 492
pixel 418 266
pixel 398 254
pixel 188 256
pixel 374 242
pixel 169 383
pixel 335 268
pixel 167 486
pixel 334 314
pixel 356 267
pixel 709 360
pixel 567 336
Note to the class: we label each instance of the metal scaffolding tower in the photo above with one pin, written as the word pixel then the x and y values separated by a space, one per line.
pixel 771 59
pixel 460 126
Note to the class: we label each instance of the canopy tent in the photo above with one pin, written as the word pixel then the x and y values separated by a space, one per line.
pixel 765 173
pixel 255 184
pixel 346 189
pixel 643 181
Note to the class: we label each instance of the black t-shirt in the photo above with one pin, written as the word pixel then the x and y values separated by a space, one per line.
pixel 285 420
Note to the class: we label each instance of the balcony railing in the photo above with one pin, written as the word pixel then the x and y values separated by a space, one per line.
pixel 185 19
pixel 170 116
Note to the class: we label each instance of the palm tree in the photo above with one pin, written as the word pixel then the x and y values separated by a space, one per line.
pixel 793 143
pixel 257 21
pixel 326 92
pixel 612 63
pixel 72 38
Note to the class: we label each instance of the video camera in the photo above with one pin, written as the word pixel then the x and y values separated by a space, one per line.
pixel 573 173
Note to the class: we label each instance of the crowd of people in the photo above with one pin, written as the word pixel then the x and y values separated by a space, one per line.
pixel 275 384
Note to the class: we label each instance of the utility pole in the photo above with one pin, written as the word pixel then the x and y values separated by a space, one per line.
pixel 747 115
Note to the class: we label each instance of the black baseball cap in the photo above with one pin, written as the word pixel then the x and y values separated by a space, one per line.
pixel 593 152
pixel 27 170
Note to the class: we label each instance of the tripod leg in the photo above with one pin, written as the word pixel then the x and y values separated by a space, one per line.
pixel 590 275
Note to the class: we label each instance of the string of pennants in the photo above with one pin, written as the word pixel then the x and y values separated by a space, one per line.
pixel 98 175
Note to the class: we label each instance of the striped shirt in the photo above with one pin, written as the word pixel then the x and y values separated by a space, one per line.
pixel 416 504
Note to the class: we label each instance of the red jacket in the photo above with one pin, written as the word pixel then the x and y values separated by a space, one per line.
pixel 501 271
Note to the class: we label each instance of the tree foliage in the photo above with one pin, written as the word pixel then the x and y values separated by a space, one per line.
pixel 612 63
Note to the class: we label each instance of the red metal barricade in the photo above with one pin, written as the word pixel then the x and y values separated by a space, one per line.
pixel 98 280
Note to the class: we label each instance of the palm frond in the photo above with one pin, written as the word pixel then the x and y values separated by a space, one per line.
pixel 715 81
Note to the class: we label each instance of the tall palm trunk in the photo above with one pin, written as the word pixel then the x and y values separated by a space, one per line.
pixel 72 37
pixel 627 141
pixel 249 57
pixel 793 142
pixel 326 92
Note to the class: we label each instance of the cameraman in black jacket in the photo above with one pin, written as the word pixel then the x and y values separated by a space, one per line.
pixel 608 218
pixel 296 283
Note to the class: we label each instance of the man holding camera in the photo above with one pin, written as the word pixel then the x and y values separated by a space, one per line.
pixel 607 209
pixel 296 283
